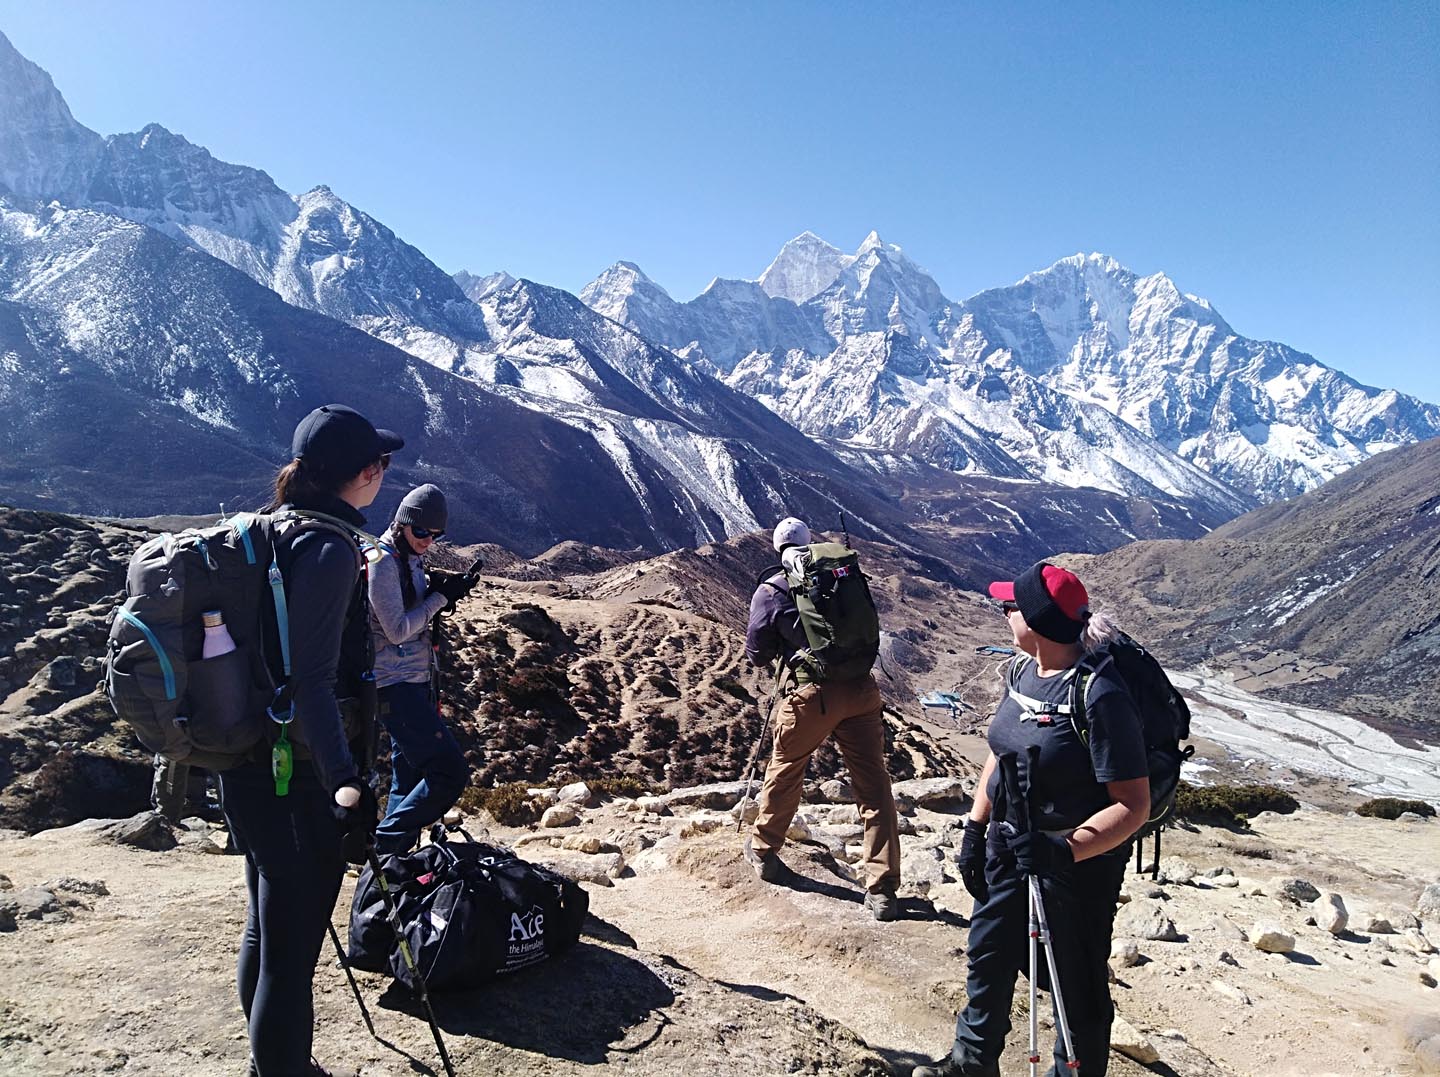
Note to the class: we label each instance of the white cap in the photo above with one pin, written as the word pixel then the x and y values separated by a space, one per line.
pixel 791 532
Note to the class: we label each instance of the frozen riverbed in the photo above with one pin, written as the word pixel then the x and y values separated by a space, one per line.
pixel 1309 740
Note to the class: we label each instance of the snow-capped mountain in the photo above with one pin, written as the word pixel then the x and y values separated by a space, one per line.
pixel 1084 373
pixel 314 249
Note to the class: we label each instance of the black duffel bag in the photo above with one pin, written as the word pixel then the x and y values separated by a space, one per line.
pixel 470 912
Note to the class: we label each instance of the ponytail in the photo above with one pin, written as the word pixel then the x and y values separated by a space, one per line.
pixel 295 483
pixel 1099 630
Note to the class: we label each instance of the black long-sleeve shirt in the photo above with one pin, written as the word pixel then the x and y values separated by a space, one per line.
pixel 321 570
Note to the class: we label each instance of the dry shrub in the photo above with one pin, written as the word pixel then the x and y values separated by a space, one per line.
pixel 1230 804
pixel 1394 807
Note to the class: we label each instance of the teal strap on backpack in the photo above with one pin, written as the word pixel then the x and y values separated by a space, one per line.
pixel 282 615
pixel 166 668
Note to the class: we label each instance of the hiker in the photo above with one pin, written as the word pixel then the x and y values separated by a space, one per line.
pixel 429 771
pixel 848 709
pixel 169 787
pixel 1088 802
pixel 296 845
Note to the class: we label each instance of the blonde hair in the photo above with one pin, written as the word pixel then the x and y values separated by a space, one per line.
pixel 1099 630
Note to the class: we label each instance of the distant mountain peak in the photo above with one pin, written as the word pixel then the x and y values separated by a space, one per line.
pixel 805 267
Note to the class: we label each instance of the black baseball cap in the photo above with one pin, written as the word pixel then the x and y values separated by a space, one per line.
pixel 338 441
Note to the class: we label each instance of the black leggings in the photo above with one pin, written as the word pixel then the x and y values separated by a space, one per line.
pixel 293 870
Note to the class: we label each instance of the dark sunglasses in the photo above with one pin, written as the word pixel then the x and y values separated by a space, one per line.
pixel 425 533
pixel 1008 607
pixel 385 462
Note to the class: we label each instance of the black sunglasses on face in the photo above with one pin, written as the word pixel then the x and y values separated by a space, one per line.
pixel 385 462
pixel 425 533
pixel 1009 607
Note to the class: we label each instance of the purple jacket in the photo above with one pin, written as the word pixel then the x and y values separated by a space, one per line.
pixel 774 627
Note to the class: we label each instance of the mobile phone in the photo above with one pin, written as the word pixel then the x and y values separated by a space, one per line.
pixel 475 567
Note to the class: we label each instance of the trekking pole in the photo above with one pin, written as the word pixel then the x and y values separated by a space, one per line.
pixel 392 913
pixel 1018 802
pixel 843 529
pixel 755 751
pixel 350 975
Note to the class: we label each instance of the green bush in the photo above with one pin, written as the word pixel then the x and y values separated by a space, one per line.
pixel 620 785
pixel 1228 804
pixel 1392 807
pixel 509 804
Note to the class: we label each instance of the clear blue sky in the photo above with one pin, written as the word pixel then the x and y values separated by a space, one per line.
pixel 1281 160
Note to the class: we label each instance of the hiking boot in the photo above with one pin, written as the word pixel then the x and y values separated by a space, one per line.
pixel 883 906
pixel 948 1067
pixel 767 865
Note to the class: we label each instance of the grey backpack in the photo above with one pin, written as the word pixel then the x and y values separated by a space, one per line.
pixel 210 712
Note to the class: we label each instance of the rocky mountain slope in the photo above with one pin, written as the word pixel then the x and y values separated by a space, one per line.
pixel 1084 373
pixel 1331 599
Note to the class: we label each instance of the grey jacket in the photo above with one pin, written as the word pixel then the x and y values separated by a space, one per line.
pixel 774 629
pixel 402 636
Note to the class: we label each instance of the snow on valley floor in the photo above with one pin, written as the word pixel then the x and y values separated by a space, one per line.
pixel 1304 739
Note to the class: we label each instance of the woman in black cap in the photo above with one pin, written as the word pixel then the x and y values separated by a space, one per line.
pixel 1087 800
pixel 297 834
pixel 428 766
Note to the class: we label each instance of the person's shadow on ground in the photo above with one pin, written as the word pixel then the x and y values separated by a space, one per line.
pixel 582 1005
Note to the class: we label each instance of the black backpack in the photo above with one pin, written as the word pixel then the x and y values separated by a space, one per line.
pixel 206 712
pixel 469 912
pixel 1164 714
pixel 837 612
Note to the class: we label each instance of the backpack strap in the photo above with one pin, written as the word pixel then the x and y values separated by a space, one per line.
pixel 1043 711
pixel 766 578
pixel 1085 671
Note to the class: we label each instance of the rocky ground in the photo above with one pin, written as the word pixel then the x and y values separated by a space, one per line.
pixel 1300 945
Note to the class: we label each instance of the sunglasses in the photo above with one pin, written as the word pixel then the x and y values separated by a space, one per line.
pixel 385 462
pixel 1008 607
pixel 425 533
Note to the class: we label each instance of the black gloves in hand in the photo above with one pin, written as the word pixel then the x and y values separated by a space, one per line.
pixel 357 824
pixel 453 585
pixel 1037 853
pixel 971 860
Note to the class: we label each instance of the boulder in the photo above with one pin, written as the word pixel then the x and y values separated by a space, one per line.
pixel 655 805
pixel 1427 905
pixel 1417 941
pixel 1271 938
pixel 147 830
pixel 837 791
pixel 588 843
pixel 560 815
pixel 656 858
pixel 843 813
pixel 800 828
pixel 1292 890
pixel 1227 881
pixel 722 796
pixel 1330 913
pixel 1145 919
pixel 1174 869
pixel 9 910
pixel 921 871
pixel 747 811
pixel 932 792
pixel 1124 953
pixel 1230 991
pixel 1132 1043
pixel 36 902
pixel 577 793
pixel 600 869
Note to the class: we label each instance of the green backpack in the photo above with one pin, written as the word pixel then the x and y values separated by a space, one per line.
pixel 837 613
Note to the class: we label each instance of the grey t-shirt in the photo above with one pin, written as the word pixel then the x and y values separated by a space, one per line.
pixel 1069 783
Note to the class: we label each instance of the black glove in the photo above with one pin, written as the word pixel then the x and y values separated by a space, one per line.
pixel 357 824
pixel 453 585
pixel 1038 853
pixel 971 860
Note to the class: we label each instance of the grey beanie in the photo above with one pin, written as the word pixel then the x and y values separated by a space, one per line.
pixel 425 507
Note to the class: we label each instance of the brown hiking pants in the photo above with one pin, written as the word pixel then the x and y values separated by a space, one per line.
pixel 850 712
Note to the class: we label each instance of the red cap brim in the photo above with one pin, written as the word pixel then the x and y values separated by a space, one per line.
pixel 1003 591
